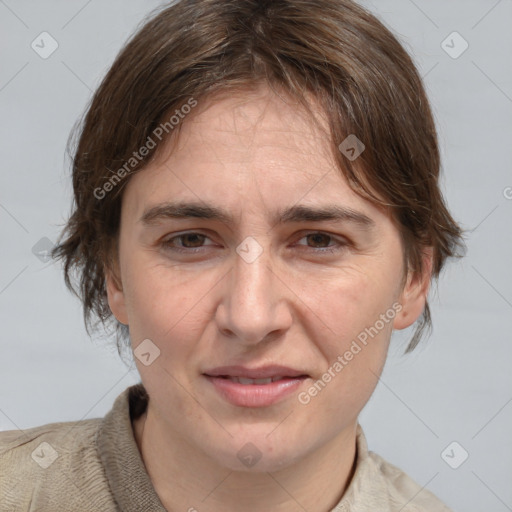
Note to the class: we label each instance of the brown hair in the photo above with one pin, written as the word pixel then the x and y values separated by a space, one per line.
pixel 332 50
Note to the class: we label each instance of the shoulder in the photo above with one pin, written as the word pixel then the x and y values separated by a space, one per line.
pixel 402 491
pixel 54 464
pixel 39 447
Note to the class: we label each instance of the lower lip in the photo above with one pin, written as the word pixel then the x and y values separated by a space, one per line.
pixel 255 395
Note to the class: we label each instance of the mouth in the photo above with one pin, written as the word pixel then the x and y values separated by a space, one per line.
pixel 252 382
pixel 263 372
pixel 258 387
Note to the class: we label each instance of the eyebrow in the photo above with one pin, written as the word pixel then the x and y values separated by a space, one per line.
pixel 298 213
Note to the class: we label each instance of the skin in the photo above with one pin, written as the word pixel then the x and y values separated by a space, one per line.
pixel 253 154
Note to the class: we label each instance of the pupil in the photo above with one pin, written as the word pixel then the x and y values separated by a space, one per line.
pixel 318 236
pixel 186 238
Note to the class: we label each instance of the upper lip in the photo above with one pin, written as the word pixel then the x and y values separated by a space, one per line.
pixel 263 372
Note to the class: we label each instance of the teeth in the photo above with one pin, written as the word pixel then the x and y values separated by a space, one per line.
pixel 243 380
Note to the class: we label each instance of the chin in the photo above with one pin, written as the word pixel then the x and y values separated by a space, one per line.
pixel 258 453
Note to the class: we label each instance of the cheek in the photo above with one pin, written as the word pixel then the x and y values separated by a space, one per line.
pixel 165 304
pixel 346 304
pixel 355 349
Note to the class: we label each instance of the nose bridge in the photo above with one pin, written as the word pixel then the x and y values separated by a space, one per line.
pixel 252 307
pixel 251 274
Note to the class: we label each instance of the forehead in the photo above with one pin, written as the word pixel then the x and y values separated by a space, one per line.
pixel 253 124
pixel 233 149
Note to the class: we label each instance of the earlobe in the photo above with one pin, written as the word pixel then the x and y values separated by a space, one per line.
pixel 414 294
pixel 115 295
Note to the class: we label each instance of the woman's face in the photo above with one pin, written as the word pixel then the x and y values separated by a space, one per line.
pixel 267 284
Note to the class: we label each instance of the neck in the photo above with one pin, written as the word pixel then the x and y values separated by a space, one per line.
pixel 186 479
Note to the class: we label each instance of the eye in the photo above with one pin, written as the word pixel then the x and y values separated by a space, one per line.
pixel 319 238
pixel 189 242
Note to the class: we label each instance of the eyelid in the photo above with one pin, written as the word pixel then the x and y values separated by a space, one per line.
pixel 339 241
pixel 167 240
pixel 338 238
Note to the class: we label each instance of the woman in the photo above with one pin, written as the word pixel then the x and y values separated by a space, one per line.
pixel 257 209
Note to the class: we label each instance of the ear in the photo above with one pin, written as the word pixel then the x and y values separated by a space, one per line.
pixel 115 294
pixel 414 294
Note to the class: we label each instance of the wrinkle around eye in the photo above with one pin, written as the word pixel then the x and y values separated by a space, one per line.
pixel 337 243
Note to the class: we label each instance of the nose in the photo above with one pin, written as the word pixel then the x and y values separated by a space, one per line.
pixel 255 304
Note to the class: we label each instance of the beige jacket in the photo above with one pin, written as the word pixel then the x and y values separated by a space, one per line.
pixel 95 466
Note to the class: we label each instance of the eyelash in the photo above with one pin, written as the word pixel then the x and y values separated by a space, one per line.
pixel 167 244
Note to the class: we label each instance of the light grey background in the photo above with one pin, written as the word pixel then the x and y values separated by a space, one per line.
pixel 456 387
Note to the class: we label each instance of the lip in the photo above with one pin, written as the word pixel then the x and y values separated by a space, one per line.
pixel 263 372
pixel 255 395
